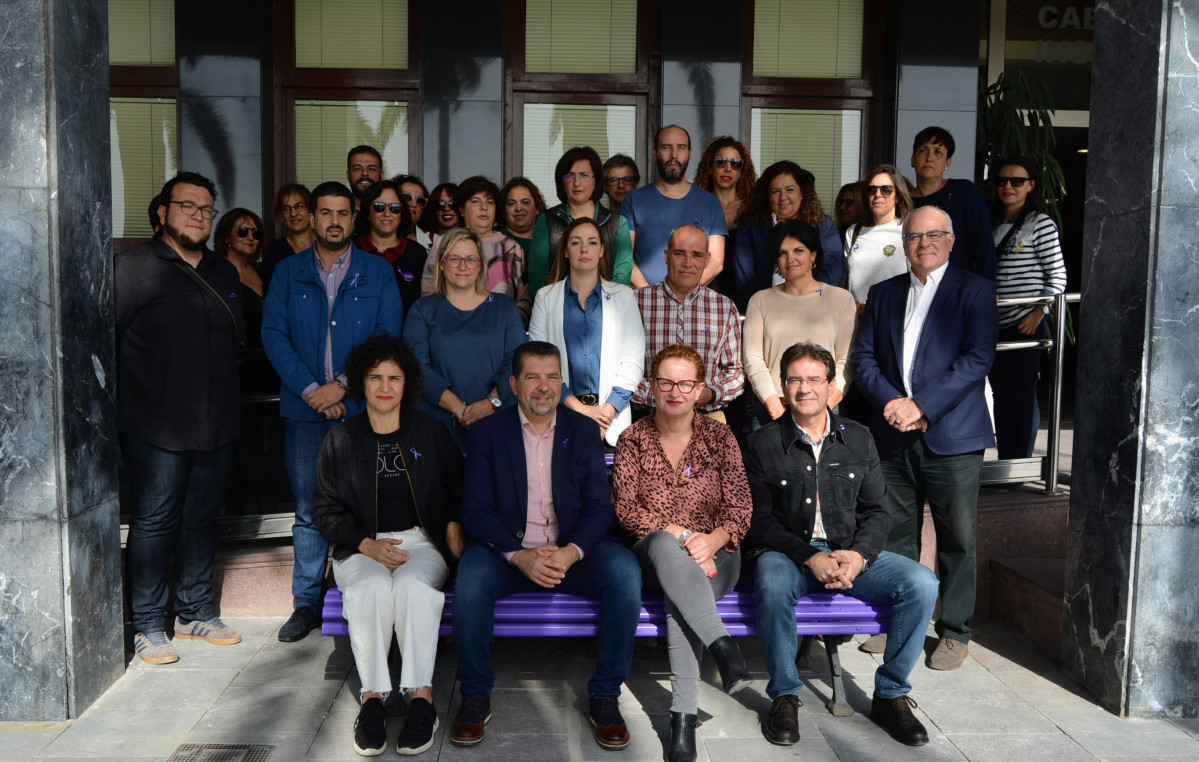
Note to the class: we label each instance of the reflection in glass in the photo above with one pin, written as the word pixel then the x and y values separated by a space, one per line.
pixel 144 156
pixel 326 129
pixel 826 143
pixel 552 128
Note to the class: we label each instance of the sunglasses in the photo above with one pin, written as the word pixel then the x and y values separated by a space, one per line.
pixel 246 230
pixel 380 206
pixel 421 201
pixel 720 161
pixel 883 190
pixel 446 203
pixel 614 181
pixel 1015 182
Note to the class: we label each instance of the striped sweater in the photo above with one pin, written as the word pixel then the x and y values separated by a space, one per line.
pixel 1029 265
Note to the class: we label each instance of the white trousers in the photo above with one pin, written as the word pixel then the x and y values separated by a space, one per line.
pixel 377 601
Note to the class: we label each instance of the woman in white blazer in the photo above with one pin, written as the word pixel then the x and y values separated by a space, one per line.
pixel 597 327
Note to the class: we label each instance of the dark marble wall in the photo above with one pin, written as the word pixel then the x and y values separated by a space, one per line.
pixel 61 636
pixel 1131 601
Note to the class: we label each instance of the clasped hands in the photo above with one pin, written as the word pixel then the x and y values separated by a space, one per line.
pixel 327 400
pixel 701 546
pixel 836 570
pixel 546 564
pixel 904 414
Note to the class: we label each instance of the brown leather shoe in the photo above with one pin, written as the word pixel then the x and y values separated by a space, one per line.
pixel 949 654
pixel 473 714
pixel 610 729
pixel 875 644
pixel 896 717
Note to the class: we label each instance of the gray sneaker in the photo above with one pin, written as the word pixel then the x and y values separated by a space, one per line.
pixel 154 648
pixel 213 630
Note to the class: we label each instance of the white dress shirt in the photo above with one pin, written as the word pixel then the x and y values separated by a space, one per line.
pixel 920 297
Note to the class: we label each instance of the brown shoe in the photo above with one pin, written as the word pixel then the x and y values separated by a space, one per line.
pixel 875 644
pixel 473 714
pixel 611 732
pixel 949 654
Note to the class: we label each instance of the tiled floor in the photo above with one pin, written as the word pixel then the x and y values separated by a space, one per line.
pixel 1006 703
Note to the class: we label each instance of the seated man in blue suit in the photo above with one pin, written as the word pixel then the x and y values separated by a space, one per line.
pixel 926 341
pixel 537 508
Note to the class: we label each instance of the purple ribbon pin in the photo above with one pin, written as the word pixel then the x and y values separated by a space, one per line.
pixel 354 281
pixel 564 441
pixel 608 297
pixel 490 299
pixel 687 471
pixel 415 454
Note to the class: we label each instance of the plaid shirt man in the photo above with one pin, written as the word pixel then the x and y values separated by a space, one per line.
pixel 703 320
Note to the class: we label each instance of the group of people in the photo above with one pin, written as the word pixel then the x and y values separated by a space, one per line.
pixel 407 327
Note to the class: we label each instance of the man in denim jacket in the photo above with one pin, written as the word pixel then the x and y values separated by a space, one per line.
pixel 819 524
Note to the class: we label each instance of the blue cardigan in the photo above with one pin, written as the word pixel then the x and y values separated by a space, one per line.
pixel 295 322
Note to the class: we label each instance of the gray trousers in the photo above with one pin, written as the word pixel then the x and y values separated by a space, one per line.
pixel 690 596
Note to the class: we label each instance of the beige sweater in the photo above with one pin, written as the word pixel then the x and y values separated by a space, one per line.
pixel 775 320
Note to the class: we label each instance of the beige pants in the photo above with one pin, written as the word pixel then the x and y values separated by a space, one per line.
pixel 408 600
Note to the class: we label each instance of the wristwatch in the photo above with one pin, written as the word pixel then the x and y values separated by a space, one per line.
pixel 494 400
pixel 683 537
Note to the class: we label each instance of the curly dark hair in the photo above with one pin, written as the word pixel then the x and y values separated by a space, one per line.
pixel 379 349
pixel 810 210
pixel 704 171
pixel 428 221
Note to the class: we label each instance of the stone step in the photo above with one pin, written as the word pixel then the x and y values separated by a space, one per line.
pixel 1026 597
pixel 253 579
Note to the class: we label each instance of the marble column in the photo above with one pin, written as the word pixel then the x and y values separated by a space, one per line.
pixel 1130 605
pixel 61 635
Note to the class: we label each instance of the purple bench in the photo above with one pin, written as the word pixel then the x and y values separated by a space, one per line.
pixel 549 614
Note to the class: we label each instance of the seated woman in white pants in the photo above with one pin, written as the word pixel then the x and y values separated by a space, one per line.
pixel 388 486
pixel 596 325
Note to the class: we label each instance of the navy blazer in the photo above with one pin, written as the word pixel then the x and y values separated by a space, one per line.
pixel 495 499
pixel 953 357
pixel 752 266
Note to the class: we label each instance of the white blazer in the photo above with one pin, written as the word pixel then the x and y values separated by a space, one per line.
pixel 622 342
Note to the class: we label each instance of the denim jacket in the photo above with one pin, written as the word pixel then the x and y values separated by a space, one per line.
pixel 783 478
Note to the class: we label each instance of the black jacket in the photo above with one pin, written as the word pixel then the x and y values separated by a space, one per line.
pixel 344 501
pixel 557 218
pixel 783 477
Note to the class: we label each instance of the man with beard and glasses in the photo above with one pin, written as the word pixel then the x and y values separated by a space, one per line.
pixel 178 326
pixel 551 533
pixel 364 168
pixel 657 209
pixel 322 303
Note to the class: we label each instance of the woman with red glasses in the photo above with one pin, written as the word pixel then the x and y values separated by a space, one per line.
pixel 382 227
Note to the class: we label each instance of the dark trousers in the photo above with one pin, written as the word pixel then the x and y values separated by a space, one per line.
pixel 950 484
pixel 1014 386
pixel 176 498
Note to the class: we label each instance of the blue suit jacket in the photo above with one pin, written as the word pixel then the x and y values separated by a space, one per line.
pixel 495 499
pixel 954 354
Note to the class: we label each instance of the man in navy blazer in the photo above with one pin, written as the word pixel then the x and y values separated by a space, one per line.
pixel 537 509
pixel 926 341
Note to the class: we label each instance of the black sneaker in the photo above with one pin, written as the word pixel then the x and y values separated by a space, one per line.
pixel 370 729
pixel 419 727
pixel 301 622
pixel 610 729
pixel 473 714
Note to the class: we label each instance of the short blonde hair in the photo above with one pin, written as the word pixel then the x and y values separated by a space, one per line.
pixel 452 238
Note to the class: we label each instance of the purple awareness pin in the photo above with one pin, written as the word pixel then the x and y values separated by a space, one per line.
pixel 415 454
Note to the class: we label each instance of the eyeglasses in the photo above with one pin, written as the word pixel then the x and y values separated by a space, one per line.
pixel 446 203
pixel 246 230
pixel 189 208
pixel 666 384
pixel 883 190
pixel 453 260
pixel 299 206
pixel 845 203
pixel 1015 182
pixel 614 181
pixel 380 207
pixel 932 235
pixel 813 381
pixel 421 201
pixel 720 161
pixel 580 175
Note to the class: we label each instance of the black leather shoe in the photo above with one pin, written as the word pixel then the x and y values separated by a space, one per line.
pixel 896 717
pixel 682 738
pixel 782 726
pixel 733 672
pixel 302 621
pixel 611 732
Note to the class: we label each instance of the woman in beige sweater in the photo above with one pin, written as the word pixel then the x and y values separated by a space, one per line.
pixel 799 309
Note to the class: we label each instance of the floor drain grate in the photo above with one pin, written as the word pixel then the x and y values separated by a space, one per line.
pixel 222 752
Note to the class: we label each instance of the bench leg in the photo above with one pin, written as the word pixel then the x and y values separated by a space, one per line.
pixel 838 705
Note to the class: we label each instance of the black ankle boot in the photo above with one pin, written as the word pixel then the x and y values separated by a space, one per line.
pixel 733 672
pixel 682 738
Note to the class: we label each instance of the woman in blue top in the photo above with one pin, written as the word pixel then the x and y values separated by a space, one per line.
pixel 464 337
pixel 597 327
pixel 785 191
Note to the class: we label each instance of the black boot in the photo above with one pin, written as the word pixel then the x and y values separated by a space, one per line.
pixel 733 672
pixel 682 738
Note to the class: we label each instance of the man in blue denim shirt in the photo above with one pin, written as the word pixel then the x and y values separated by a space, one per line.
pixel 820 522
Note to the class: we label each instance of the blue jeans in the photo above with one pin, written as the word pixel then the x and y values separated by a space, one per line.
pixel 892 580
pixel 609 572
pixel 301 445
pixel 176 498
